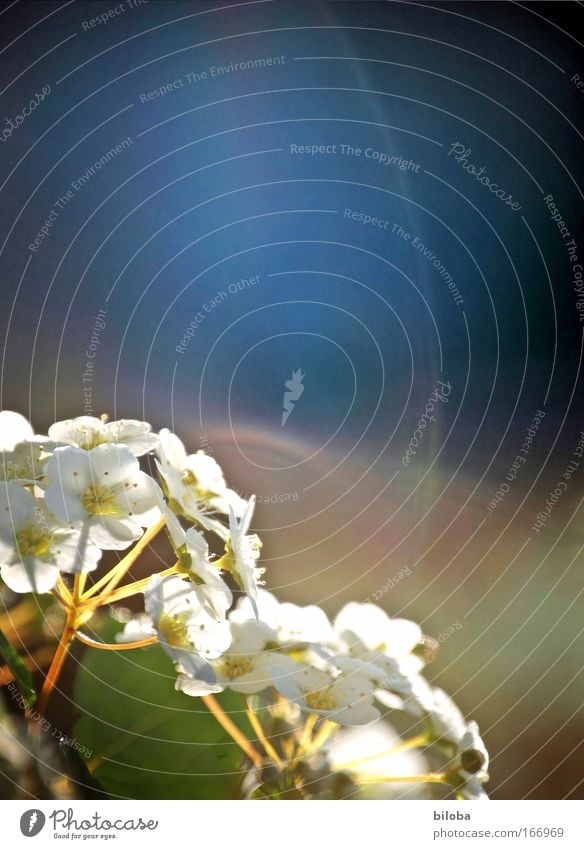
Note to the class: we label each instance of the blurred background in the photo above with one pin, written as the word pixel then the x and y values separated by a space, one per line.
pixel 210 201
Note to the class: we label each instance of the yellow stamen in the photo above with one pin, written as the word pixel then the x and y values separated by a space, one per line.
pixel 320 700
pixel 33 540
pixel 174 630
pixel 235 666
pixel 99 500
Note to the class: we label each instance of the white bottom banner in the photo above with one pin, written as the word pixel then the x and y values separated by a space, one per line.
pixel 327 823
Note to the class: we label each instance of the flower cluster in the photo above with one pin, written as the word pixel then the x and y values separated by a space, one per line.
pixel 343 671
pixel 78 491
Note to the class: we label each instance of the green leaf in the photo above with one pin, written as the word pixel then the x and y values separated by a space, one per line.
pixel 148 740
pixel 22 675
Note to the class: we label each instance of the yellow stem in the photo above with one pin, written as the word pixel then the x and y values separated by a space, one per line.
pixel 115 575
pixel 78 587
pixel 124 592
pixel 64 592
pixel 257 727
pixel 404 746
pixel 95 644
pixel 306 736
pixel 234 732
pixel 432 777
pixel 287 744
pixel 57 663
pixel 62 601
pixel 323 734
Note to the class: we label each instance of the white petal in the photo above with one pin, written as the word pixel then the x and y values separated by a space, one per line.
pixel 154 599
pixel 74 553
pixel 68 476
pixel 30 576
pixel 139 496
pixel 170 595
pixel 171 451
pixel 192 663
pixel 198 687
pixel 361 713
pixel 138 628
pixel 113 534
pixel 135 434
pixel 23 463
pixel 261 675
pixel 304 624
pixel 301 682
pixel 249 637
pixel 16 508
pixel 215 592
pixel 445 718
pixel 83 431
pixel 69 468
pixel 367 622
pixel 247 516
pixel 268 608
pixel 14 428
pixel 112 464
pixel 209 637
pixel 207 472
pixel 175 529
pixel 402 637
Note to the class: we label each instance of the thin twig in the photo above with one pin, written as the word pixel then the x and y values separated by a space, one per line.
pixel 95 644
pixel 234 732
pixel 58 661
pixel 256 725
pixel 115 575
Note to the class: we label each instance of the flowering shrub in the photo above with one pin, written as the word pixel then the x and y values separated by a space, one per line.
pixel 79 491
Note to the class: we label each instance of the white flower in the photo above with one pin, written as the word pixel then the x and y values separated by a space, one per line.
pixel 25 462
pixel 186 630
pixel 14 428
pixel 474 758
pixel 193 553
pixel 410 693
pixel 367 632
pixel 248 667
pixel 461 741
pixel 445 719
pixel 195 483
pixel 22 454
pixel 88 432
pixel 104 491
pixel 292 624
pixel 242 551
pixel 34 548
pixel 345 699
pixel 370 626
